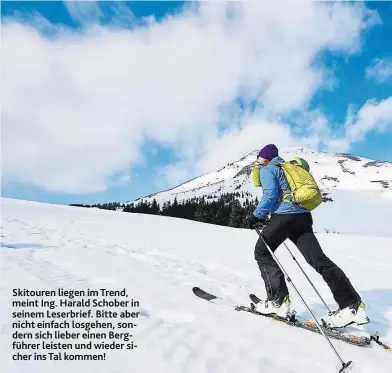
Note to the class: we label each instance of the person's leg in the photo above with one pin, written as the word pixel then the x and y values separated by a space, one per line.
pixel 307 243
pixel 274 234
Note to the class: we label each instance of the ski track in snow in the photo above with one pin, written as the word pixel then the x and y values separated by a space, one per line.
pixel 159 260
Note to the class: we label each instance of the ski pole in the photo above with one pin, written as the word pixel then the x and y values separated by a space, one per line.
pixel 310 282
pixel 344 365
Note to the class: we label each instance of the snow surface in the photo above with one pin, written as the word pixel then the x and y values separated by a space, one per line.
pixel 158 260
pixel 361 189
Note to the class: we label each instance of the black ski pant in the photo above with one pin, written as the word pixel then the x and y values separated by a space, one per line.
pixel 298 228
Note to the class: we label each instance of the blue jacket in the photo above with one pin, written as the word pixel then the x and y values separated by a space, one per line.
pixel 273 182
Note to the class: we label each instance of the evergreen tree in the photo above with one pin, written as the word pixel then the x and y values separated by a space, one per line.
pixel 201 211
pixel 221 217
pixel 155 207
pixel 236 215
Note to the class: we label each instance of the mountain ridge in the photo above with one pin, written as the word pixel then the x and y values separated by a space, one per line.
pixel 311 155
pixel 355 189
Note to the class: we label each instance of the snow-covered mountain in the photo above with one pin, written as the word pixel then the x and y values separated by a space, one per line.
pixel 158 260
pixel 357 188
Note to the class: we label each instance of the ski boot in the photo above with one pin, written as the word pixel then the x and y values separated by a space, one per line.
pixel 353 314
pixel 279 307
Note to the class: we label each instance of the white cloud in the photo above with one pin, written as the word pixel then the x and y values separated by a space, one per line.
pixel 372 116
pixel 84 12
pixel 256 131
pixel 80 104
pixel 176 173
pixel 380 70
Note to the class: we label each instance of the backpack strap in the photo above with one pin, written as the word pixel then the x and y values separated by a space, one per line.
pixel 286 196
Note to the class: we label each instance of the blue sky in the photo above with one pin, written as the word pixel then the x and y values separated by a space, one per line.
pixel 113 101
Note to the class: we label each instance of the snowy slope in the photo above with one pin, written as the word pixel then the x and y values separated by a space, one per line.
pixel 158 260
pixel 360 189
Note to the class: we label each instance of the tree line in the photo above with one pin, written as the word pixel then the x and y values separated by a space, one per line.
pixel 226 210
pixel 105 206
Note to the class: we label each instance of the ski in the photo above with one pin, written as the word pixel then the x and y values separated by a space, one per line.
pixel 310 325
pixel 376 339
pixel 292 320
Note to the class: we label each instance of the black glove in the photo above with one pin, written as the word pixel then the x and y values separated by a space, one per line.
pixel 253 221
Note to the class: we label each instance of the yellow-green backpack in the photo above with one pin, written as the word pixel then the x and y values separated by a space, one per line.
pixel 304 190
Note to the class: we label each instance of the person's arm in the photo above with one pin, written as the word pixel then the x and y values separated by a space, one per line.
pixel 270 193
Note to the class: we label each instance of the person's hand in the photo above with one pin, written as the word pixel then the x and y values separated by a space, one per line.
pixel 253 221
